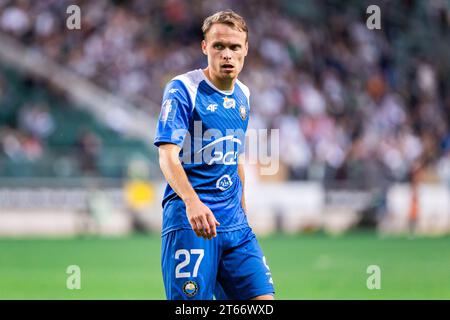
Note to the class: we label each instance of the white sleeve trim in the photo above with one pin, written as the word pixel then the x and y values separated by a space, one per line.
pixel 245 89
pixel 191 80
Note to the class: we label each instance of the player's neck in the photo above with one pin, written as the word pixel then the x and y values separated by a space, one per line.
pixel 224 85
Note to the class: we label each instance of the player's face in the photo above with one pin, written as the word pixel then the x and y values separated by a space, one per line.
pixel 226 49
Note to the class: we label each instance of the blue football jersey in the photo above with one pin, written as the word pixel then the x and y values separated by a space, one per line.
pixel 209 125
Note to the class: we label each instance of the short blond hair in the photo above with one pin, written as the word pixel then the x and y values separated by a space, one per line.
pixel 228 17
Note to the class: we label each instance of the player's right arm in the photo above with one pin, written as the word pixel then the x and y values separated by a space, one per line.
pixel 173 125
pixel 199 215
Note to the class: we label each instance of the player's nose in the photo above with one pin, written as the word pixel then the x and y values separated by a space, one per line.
pixel 226 54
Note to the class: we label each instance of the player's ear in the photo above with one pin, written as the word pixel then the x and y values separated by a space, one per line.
pixel 204 47
pixel 246 48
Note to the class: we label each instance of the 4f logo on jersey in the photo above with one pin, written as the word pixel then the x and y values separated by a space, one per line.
pixel 229 103
pixel 212 107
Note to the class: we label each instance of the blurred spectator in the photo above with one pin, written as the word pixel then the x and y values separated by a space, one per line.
pixel 36 120
pixel 20 147
pixel 88 149
pixel 15 18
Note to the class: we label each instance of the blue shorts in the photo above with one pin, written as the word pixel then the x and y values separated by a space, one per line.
pixel 229 266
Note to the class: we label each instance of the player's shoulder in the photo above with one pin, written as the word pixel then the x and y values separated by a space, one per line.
pixel 189 79
pixel 185 83
pixel 243 87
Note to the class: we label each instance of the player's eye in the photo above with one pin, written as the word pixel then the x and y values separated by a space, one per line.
pixel 235 48
pixel 218 46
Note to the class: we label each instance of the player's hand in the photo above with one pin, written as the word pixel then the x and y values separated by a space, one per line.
pixel 202 219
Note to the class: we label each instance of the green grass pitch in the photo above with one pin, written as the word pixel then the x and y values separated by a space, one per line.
pixel 313 266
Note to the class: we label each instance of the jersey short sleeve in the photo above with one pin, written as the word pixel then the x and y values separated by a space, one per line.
pixel 176 111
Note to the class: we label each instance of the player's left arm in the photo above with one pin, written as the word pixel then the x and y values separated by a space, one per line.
pixel 241 174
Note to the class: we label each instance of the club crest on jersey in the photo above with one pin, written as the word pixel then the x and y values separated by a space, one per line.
pixel 224 182
pixel 243 112
pixel 229 103
pixel 190 288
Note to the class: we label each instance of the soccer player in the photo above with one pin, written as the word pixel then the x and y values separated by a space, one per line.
pixel 208 248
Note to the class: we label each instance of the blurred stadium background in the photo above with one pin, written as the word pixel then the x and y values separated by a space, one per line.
pixel 364 115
